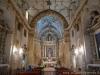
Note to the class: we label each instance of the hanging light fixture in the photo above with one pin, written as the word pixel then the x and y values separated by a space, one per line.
pixel 49 3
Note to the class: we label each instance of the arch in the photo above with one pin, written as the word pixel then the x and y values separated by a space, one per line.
pixel 94 8
pixel 89 27
pixel 93 15
pixel 90 16
pixel 51 13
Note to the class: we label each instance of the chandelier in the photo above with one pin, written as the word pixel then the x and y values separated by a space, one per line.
pixel 49 3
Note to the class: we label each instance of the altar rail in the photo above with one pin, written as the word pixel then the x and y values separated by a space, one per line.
pixel 14 72
pixel 48 72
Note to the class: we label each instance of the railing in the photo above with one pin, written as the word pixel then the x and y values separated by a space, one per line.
pixel 8 72
pixel 48 72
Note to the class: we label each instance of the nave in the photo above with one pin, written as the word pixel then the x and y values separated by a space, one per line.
pixel 49 37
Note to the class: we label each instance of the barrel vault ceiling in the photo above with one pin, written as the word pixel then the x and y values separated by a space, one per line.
pixel 36 6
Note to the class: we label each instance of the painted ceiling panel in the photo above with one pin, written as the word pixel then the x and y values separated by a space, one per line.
pixel 49 24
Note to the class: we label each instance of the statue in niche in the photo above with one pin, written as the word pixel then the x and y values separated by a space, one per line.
pixel 50 52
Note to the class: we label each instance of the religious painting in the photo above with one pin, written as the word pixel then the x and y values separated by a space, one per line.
pixel 49 52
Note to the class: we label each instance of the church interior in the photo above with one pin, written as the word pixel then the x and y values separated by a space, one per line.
pixel 49 37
